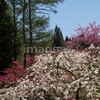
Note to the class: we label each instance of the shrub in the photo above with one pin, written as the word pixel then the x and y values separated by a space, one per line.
pixel 15 73
pixel 12 74
pixel 30 60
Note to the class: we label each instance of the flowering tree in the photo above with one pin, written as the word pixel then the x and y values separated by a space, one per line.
pixel 85 36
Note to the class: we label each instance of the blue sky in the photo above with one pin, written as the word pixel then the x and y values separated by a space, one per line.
pixel 71 11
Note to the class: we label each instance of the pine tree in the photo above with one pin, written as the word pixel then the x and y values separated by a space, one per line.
pixel 6 37
pixel 33 7
pixel 45 39
pixel 58 38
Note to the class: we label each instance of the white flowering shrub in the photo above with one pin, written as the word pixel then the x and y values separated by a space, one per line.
pixel 76 76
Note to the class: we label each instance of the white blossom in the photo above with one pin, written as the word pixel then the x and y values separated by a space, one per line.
pixel 89 95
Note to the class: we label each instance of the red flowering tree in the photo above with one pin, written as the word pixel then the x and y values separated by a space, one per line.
pixel 85 36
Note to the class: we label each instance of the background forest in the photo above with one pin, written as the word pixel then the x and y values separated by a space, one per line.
pixel 24 23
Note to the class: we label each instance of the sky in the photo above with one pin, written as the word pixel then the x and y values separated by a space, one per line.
pixel 72 13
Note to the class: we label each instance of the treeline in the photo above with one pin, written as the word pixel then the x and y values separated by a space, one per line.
pixel 24 23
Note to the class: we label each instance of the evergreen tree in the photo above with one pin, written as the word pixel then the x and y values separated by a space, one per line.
pixel 58 38
pixel 6 37
pixel 67 39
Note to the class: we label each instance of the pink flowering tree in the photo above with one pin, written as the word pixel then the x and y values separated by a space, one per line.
pixel 85 36
pixel 16 72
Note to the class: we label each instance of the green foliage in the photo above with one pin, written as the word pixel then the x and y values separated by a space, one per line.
pixel 98 89
pixel 54 67
pixel 7 37
pixel 43 39
pixel 83 98
pixel 58 38
pixel 50 95
pixel 88 65
pixel 82 90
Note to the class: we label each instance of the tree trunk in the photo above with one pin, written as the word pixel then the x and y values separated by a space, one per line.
pixel 30 23
pixel 24 36
pixel 15 32
pixel 32 53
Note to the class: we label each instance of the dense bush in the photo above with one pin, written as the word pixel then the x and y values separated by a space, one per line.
pixel 85 36
pixel 12 74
